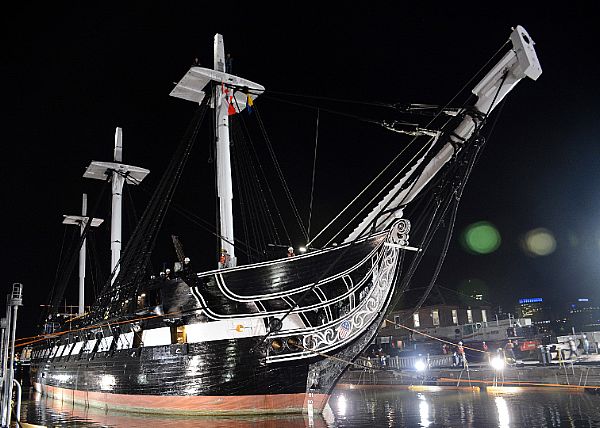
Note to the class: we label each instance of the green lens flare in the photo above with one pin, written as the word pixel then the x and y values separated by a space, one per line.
pixel 482 238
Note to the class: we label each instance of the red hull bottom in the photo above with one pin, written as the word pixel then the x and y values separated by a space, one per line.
pixel 191 405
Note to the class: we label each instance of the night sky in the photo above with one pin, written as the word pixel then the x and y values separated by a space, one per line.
pixel 71 74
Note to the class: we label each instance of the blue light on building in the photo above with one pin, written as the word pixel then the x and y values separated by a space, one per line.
pixel 530 300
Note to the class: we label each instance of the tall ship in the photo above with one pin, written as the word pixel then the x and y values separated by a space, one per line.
pixel 272 335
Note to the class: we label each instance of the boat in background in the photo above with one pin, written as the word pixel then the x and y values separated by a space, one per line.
pixel 272 336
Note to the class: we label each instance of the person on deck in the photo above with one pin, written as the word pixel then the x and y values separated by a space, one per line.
pixel 460 350
pixel 509 350
pixel 290 252
pixel 573 348
pixel 223 259
pixel 455 359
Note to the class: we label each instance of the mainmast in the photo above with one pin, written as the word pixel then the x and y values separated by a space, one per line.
pixel 224 182
pixel 118 173
pixel 82 221
pixel 230 95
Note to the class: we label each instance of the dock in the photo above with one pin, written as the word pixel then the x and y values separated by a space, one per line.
pixel 580 374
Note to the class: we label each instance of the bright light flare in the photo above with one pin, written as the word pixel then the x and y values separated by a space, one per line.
pixel 539 242
pixel 497 363
pixel 420 366
pixel 302 249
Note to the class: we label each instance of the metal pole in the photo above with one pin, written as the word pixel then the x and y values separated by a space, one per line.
pixel 4 354
pixel 15 301
pixel 5 385
pixel 3 343
pixel 18 400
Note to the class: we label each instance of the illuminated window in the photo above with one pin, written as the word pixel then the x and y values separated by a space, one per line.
pixel 435 314
pixel 483 315
pixel 416 321
pixel 397 322
pixel 469 316
pixel 454 317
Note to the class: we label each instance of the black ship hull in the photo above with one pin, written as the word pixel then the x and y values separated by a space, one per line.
pixel 211 351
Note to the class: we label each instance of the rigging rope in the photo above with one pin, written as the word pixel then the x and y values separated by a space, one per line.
pixel 363 191
pixel 456 197
pixel 254 185
pixel 255 205
pixel 59 264
pixel 419 154
pixel 280 174
pixel 339 113
pixel 440 112
pixel 428 236
pixel 73 256
pixel 197 220
pixel 474 157
pixel 253 156
pixel 312 187
pixel 97 273
pixel 120 297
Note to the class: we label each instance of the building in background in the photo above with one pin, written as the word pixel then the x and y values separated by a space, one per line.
pixel 444 311
pixel 538 311
pixel 583 315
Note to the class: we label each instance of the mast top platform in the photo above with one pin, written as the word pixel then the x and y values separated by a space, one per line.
pixel 78 220
pixel 192 87
pixel 103 171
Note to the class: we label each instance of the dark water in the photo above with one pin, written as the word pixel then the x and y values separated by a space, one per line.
pixel 366 408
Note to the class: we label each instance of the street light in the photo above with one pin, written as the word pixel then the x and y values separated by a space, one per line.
pixel 420 365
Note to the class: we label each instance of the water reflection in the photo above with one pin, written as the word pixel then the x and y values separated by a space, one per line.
pixel 423 411
pixel 361 408
pixel 342 405
pixel 46 411
pixel 503 415
pixel 389 407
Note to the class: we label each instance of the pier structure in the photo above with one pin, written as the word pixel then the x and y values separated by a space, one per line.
pixel 9 327
pixel 582 373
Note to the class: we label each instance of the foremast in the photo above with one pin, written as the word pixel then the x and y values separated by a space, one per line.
pixel 520 62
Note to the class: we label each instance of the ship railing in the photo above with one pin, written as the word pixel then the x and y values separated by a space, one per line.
pixel 404 363
pixel 431 361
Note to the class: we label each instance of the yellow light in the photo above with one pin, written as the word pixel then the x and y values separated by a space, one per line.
pixel 539 242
